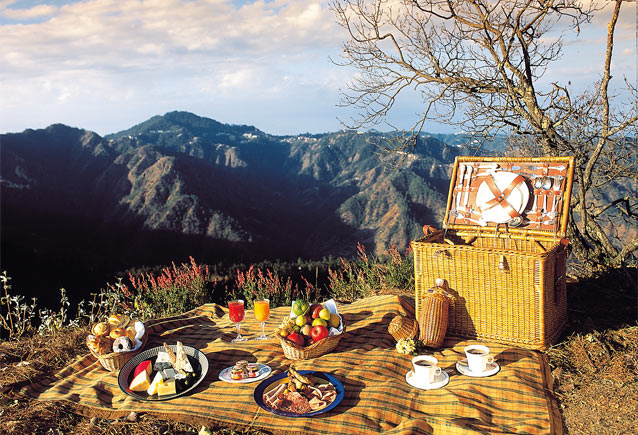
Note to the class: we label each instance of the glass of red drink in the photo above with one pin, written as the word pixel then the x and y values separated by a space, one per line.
pixel 236 314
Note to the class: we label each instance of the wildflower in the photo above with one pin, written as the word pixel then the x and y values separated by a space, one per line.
pixel 406 346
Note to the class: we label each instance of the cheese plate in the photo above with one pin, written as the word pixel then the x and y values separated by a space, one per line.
pixel 196 359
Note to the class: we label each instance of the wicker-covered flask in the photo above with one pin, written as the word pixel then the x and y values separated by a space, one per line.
pixel 433 318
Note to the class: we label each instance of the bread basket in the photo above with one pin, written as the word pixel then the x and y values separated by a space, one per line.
pixel 115 360
pixel 321 347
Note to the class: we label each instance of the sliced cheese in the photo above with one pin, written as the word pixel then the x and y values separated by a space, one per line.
pixel 167 387
pixel 162 362
pixel 141 382
pixel 157 380
pixel 144 365
pixel 181 359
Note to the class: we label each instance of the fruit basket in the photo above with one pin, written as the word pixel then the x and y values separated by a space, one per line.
pixel 325 337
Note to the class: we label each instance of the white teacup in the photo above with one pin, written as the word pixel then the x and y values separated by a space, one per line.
pixel 425 368
pixel 478 357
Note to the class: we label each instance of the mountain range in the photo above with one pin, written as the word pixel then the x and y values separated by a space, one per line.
pixel 180 184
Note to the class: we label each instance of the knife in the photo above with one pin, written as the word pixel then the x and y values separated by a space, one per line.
pixel 468 175
pixel 459 186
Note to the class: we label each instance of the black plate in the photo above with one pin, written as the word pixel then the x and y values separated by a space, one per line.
pixel 197 359
pixel 259 393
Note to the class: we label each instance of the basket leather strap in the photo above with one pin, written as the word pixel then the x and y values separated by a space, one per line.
pixel 500 198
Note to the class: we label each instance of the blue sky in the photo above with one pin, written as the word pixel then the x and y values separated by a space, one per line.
pixel 105 65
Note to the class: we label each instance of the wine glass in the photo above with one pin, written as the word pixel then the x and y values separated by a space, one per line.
pixel 236 314
pixel 262 312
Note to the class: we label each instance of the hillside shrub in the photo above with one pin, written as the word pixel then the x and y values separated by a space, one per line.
pixel 174 291
pixel 256 283
pixel 367 275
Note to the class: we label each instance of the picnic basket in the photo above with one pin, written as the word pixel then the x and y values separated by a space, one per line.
pixel 403 327
pixel 294 352
pixel 502 250
pixel 115 360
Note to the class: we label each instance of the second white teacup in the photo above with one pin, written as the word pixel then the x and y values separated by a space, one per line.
pixel 478 357
pixel 425 368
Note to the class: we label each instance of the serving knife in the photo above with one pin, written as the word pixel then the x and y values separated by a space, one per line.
pixel 459 186
pixel 468 175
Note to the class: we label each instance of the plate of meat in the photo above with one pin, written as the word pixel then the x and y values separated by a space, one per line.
pixel 302 393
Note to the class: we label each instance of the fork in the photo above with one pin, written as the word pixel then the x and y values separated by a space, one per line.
pixel 536 168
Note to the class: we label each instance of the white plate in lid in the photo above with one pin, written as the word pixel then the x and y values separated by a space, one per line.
pixel 517 199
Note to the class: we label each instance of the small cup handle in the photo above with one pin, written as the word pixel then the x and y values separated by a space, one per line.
pixel 437 371
pixel 490 359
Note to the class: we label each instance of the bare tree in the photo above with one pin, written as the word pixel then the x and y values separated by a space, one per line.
pixel 478 64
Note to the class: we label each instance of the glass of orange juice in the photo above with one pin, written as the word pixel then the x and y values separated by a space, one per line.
pixel 262 312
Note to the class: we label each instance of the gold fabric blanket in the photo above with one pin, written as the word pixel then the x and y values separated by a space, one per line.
pixel 518 399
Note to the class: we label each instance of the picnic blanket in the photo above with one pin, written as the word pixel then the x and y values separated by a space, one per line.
pixel 518 399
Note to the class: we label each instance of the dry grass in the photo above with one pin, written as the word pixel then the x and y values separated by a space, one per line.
pixel 595 369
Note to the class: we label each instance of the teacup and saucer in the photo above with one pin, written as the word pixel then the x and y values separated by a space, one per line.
pixel 477 362
pixel 426 374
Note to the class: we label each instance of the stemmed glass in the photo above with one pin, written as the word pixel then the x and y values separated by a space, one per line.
pixel 262 312
pixel 236 314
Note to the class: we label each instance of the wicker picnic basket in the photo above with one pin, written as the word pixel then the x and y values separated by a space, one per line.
pixel 508 278
pixel 115 360
pixel 321 347
pixel 403 327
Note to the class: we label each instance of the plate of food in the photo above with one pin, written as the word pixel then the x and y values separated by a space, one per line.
pixel 302 393
pixel 244 372
pixel 163 372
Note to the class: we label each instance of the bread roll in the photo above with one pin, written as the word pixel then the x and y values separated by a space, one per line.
pixel 118 332
pixel 100 329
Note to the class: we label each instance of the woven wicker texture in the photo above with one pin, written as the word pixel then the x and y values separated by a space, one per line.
pixel 294 352
pixel 115 360
pixel 433 319
pixel 509 284
pixel 403 327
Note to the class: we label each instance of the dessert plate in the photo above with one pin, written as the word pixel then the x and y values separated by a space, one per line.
pixel 440 380
pixel 517 199
pixel 263 372
pixel 464 369
pixel 197 359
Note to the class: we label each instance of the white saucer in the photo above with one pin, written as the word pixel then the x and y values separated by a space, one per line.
pixel 491 369
pixel 440 380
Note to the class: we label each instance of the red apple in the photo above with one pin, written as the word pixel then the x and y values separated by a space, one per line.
pixel 296 338
pixel 319 332
pixel 314 310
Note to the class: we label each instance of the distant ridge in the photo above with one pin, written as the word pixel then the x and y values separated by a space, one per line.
pixel 180 184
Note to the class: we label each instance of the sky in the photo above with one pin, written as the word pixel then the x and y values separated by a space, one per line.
pixel 106 65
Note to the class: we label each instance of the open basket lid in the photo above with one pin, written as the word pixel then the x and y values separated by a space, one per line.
pixel 521 195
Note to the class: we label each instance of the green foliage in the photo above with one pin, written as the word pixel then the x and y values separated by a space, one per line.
pixel 366 276
pixel 18 318
pixel 174 291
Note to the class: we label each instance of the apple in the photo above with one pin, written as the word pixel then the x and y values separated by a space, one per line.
pixel 296 338
pixel 314 310
pixel 319 332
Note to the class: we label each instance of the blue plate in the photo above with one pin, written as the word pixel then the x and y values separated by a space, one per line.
pixel 263 386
